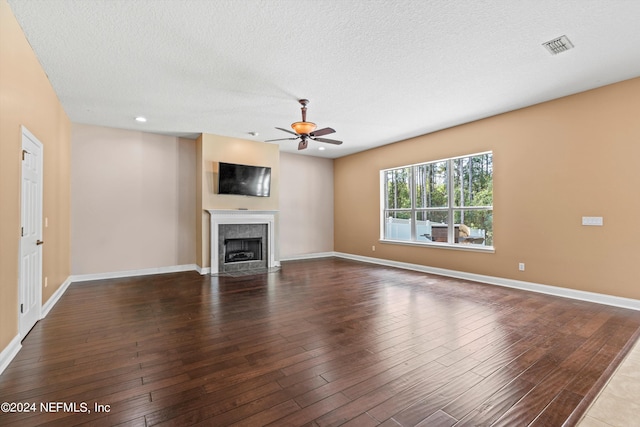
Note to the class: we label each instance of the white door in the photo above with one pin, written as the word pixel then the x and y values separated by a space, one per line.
pixel 31 240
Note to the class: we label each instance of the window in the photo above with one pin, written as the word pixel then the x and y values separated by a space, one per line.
pixel 448 201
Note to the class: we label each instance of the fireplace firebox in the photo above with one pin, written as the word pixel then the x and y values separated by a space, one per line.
pixel 242 247
pixel 240 250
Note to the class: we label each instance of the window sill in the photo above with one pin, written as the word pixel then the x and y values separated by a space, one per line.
pixel 454 246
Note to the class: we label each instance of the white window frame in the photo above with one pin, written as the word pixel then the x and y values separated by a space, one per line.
pixel 450 208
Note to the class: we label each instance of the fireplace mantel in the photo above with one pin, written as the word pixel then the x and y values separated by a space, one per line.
pixel 240 216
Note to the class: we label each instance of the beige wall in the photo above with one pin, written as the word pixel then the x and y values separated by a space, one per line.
pixel 27 98
pixel 212 149
pixel 553 163
pixel 186 187
pixel 306 205
pixel 133 200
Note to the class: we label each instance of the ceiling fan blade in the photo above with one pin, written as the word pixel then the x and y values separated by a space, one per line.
pixel 280 139
pixel 330 141
pixel 320 132
pixel 303 144
pixel 288 131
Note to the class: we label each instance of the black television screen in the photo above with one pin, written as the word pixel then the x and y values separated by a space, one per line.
pixel 244 180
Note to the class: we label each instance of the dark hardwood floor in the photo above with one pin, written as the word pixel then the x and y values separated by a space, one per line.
pixel 318 343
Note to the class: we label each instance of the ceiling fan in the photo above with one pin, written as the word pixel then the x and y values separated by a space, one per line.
pixel 305 130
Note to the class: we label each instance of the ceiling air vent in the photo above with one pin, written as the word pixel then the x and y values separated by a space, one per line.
pixel 558 45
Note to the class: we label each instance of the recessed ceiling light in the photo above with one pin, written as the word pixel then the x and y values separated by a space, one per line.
pixel 141 119
pixel 321 148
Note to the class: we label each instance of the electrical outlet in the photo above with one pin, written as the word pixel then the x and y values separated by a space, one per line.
pixel 373 248
pixel 521 266
pixel 46 281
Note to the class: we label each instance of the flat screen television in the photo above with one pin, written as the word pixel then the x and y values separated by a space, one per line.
pixel 244 180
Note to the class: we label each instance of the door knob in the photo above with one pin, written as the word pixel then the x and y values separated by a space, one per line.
pixel 39 242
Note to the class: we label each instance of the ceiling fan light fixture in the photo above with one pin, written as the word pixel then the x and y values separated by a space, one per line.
pixel 305 131
pixel 303 128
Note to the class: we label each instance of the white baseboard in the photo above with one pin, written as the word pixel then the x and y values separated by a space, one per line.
pixel 46 308
pixel 629 303
pixel 203 270
pixel 9 352
pixel 308 256
pixel 131 273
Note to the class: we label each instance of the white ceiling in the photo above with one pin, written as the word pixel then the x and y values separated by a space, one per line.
pixel 377 71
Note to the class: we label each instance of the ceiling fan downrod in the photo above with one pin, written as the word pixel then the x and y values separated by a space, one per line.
pixel 304 103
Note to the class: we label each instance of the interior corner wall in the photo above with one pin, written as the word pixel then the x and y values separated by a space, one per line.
pixel 28 99
pixel 133 200
pixel 553 164
pixel 306 205
pixel 186 187
pixel 213 149
pixel 199 214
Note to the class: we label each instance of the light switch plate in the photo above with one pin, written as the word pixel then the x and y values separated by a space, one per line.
pixel 592 220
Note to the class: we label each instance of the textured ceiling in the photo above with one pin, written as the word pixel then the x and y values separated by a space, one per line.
pixel 376 71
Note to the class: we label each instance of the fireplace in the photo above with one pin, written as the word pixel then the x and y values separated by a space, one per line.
pixel 242 250
pixel 242 240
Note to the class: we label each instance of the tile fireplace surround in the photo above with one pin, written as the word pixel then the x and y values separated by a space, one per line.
pixel 227 216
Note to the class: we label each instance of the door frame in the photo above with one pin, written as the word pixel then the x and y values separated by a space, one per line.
pixel 25 134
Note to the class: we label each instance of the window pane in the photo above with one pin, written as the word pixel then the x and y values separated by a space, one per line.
pixel 448 201
pixel 398 188
pixel 431 226
pixel 474 226
pixel 397 225
pixel 473 181
pixel 431 185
